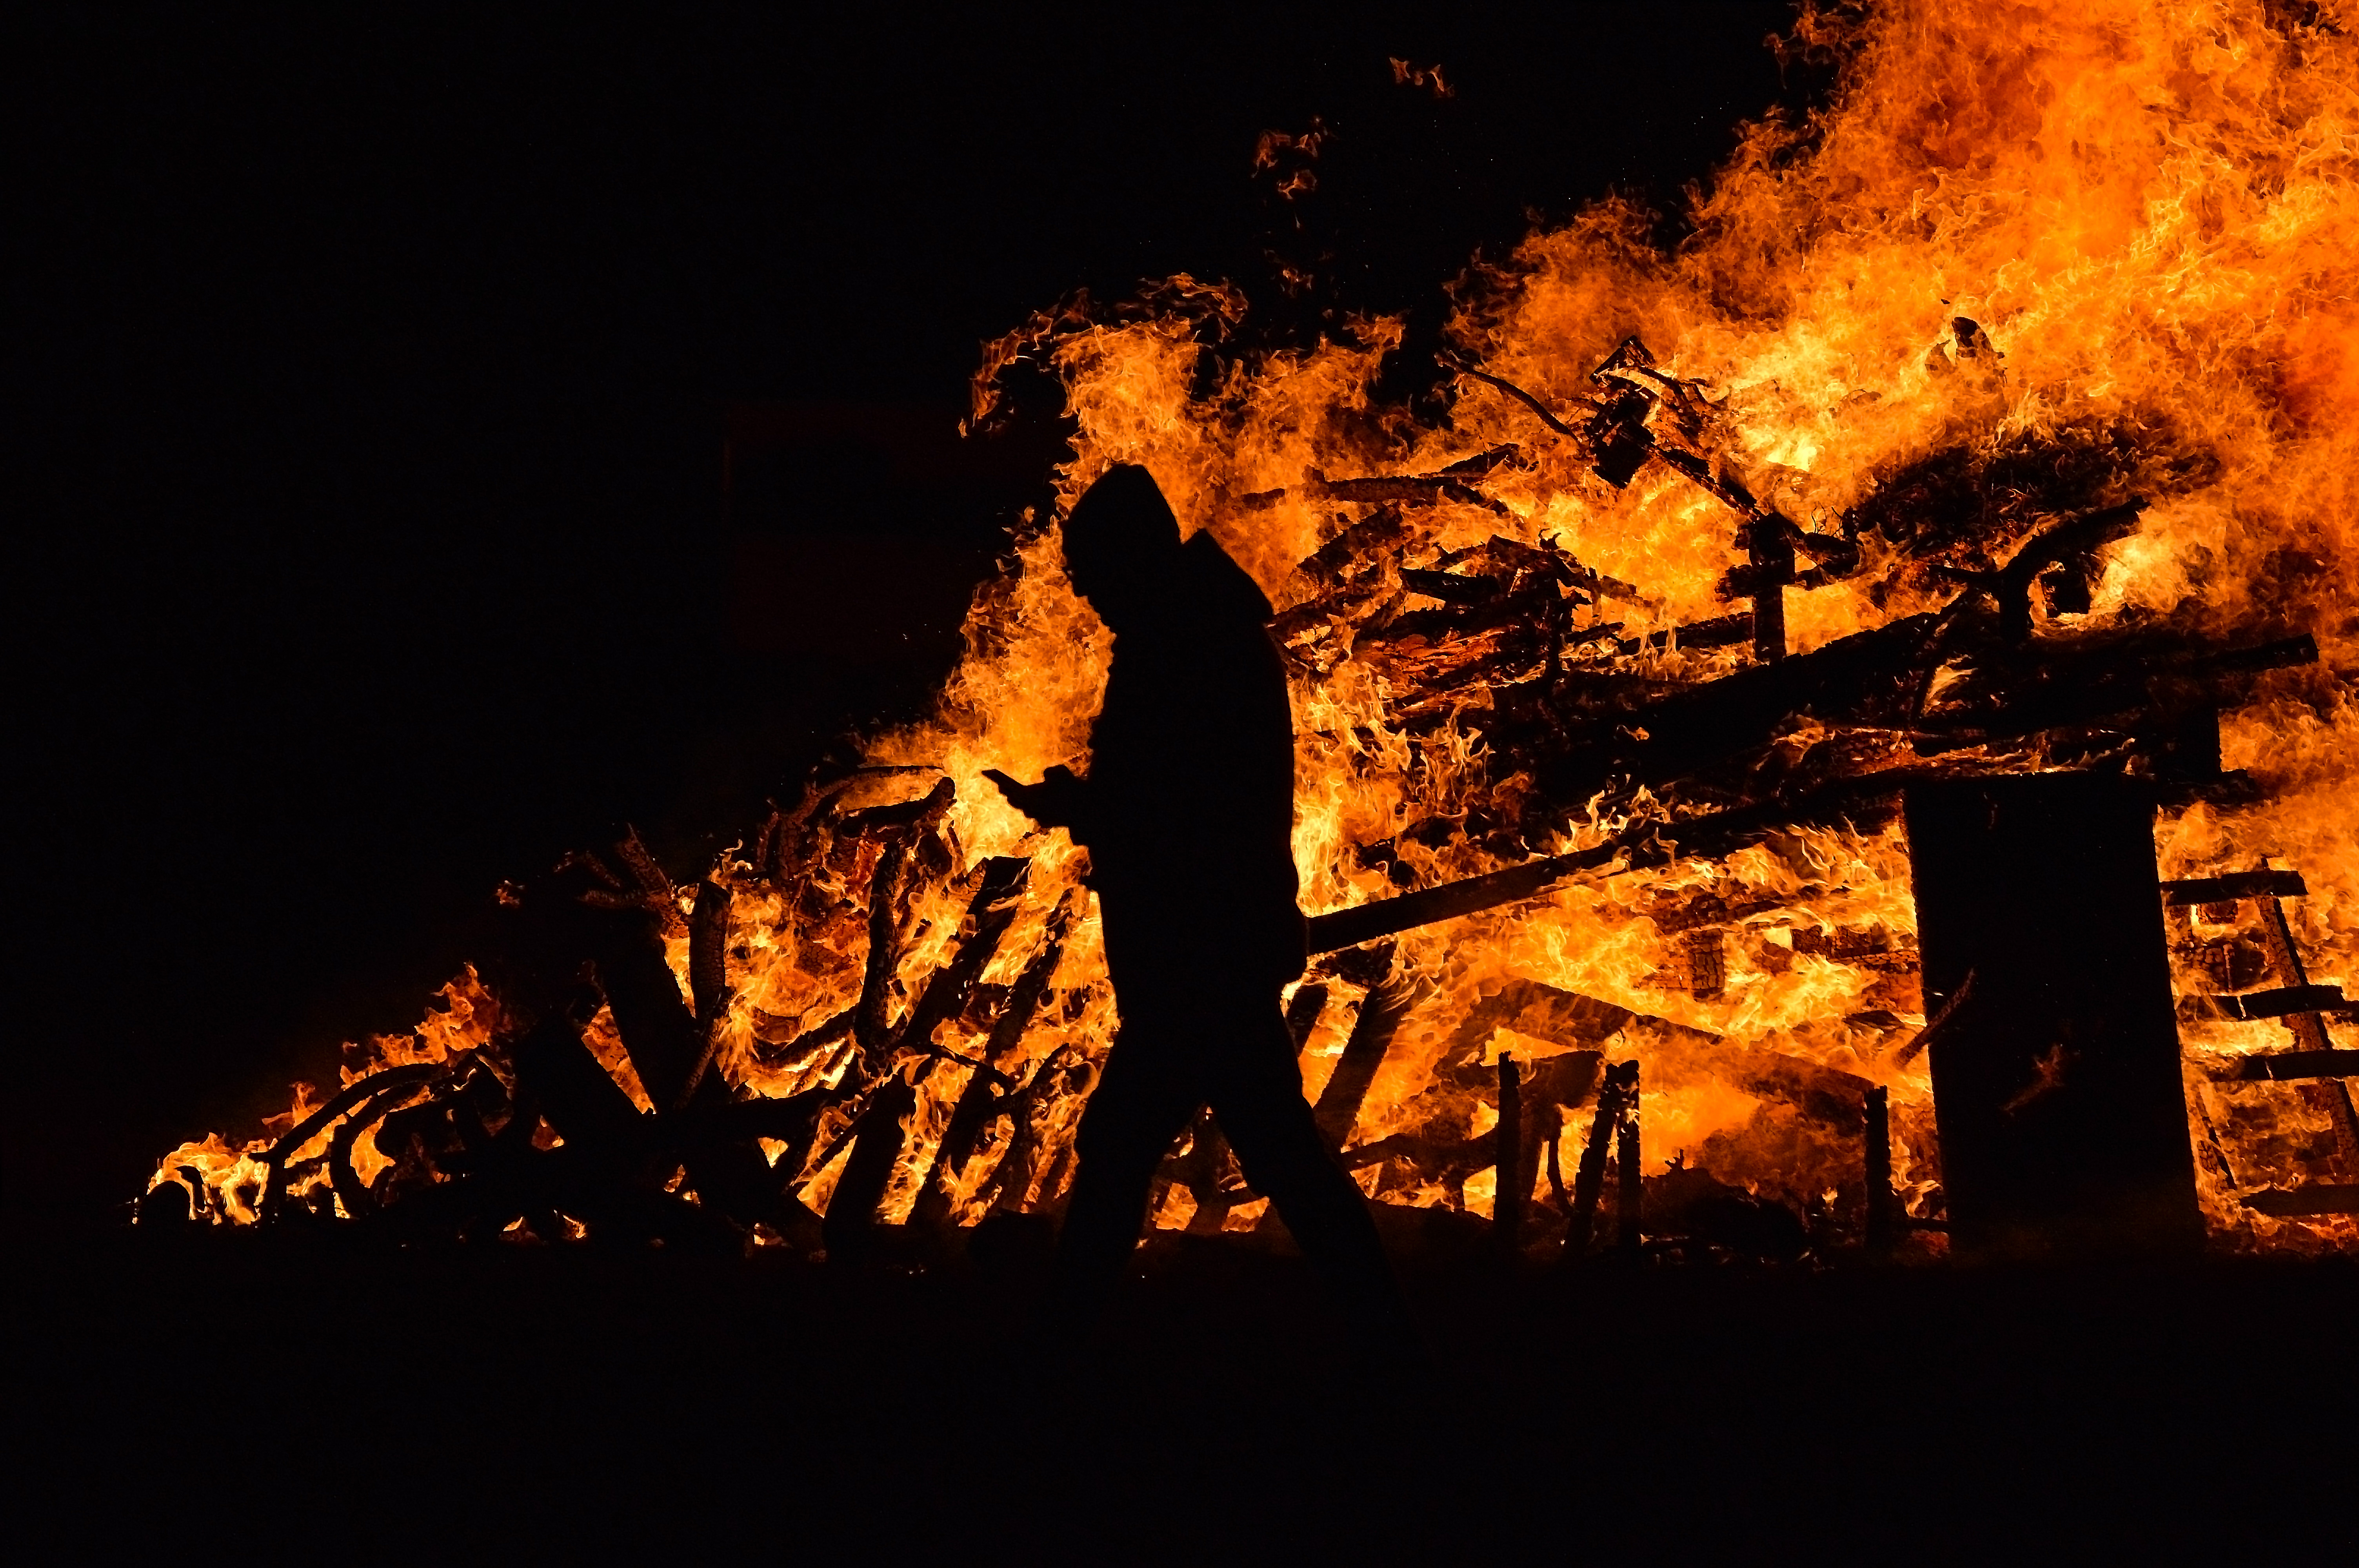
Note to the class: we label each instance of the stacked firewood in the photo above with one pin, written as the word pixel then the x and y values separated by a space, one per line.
pixel 613 1089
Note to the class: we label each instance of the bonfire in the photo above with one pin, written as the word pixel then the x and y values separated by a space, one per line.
pixel 1990 437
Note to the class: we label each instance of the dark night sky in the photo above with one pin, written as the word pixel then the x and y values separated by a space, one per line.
pixel 375 547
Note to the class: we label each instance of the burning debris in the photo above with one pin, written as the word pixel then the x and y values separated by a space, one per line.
pixel 1742 740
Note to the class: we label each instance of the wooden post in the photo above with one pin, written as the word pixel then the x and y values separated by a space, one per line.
pixel 1881 1232
pixel 2056 1084
pixel 1625 1210
pixel 1388 1002
pixel 1771 548
pixel 1515 1179
pixel 1589 1182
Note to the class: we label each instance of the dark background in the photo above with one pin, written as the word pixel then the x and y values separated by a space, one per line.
pixel 374 402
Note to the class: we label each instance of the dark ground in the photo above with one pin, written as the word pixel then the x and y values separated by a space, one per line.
pixel 513 1404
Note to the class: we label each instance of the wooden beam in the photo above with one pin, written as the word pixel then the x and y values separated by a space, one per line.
pixel 2263 883
pixel 1589 1181
pixel 2057 1091
pixel 1630 1199
pixel 1382 1011
pixel 2281 1067
pixel 1881 1203
pixel 1514 1175
pixel 2316 1198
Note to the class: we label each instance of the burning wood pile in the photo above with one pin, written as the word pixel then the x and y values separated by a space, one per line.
pixel 1740 740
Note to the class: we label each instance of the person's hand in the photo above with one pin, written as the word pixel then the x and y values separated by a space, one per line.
pixel 1055 802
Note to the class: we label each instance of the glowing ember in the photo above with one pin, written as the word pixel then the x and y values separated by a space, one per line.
pixel 2038 261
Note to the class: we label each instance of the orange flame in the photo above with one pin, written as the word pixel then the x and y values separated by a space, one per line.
pixel 2126 230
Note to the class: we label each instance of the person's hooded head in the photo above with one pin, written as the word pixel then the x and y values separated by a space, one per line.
pixel 1122 548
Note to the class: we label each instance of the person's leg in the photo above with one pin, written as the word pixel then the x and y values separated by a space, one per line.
pixel 1145 1096
pixel 1256 1089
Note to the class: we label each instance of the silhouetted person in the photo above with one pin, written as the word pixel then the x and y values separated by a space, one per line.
pixel 1187 813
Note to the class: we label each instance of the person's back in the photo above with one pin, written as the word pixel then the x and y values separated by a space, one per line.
pixel 1192 780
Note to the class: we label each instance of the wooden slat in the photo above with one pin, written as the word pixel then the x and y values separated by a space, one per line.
pixel 2293 1064
pixel 2318 1197
pixel 2284 1002
pixel 2233 886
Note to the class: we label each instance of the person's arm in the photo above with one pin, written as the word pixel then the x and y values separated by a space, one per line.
pixel 1059 800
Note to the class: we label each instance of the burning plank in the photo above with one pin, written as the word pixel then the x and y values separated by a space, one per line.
pixel 1388 1002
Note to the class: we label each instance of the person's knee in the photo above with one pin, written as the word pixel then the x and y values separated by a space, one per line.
pixel 1291 1168
pixel 1109 1142
pixel 1270 1125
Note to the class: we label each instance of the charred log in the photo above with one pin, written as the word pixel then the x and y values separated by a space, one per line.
pixel 2309 1028
pixel 1721 632
pixel 1589 1181
pixel 1368 922
pixel 2287 1066
pixel 2302 1202
pixel 358 1200
pixel 848 1226
pixel 1386 1006
pixel 1431 1157
pixel 1461 588
pixel 1859 680
pixel 1208 1170
pixel 635 855
pixel 1971 501
pixel 2145 688
pixel 1408 490
pixel 346 1100
pixel 1514 1178
pixel 2276 935
pixel 914 812
pixel 2233 887
pixel 1630 1200
pixel 871 1025
pixel 665 1042
pixel 1883 1203
pixel 2289 1002
pixel 707 977
pixel 578 1098
pixel 657 1030
pixel 2009 587
pixel 1375 535
pixel 1859 801
pixel 993 910
pixel 1688 1213
pixel 1011 1181
pixel 171 1205
pixel 1546 417
pixel 1769 543
pixel 1545 1011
